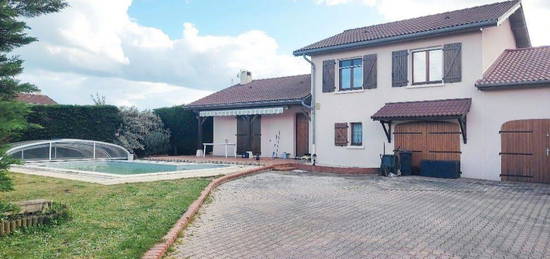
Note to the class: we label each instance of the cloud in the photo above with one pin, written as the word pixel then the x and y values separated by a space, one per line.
pixel 536 11
pixel 72 88
pixel 97 39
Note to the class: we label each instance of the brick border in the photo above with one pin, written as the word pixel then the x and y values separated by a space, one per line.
pixel 160 249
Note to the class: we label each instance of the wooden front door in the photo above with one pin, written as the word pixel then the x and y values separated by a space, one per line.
pixel 302 134
pixel 525 151
pixel 429 141
pixel 249 134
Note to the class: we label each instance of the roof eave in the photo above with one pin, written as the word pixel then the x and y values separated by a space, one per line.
pixel 246 104
pixel 514 85
pixel 407 37
pixel 413 118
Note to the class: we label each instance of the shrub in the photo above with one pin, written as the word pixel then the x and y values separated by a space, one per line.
pixel 156 143
pixel 92 122
pixel 142 132
pixel 183 126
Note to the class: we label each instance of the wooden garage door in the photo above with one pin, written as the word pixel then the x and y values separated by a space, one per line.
pixel 429 140
pixel 525 151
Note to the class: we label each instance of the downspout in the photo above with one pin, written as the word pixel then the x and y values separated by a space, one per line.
pixel 312 107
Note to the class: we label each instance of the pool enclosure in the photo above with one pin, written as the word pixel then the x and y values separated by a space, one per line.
pixel 67 149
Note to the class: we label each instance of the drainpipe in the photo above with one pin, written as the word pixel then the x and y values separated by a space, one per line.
pixel 312 107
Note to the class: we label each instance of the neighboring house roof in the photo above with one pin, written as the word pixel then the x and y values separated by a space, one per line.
pixel 35 99
pixel 259 92
pixel 469 19
pixel 449 108
pixel 518 68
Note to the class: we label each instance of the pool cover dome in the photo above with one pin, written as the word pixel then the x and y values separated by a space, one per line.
pixel 67 149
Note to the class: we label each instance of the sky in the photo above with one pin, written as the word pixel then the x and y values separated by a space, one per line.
pixel 159 53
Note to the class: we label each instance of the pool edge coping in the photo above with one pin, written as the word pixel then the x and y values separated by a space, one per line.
pixel 160 249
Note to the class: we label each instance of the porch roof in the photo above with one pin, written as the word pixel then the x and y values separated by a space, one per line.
pixel 421 110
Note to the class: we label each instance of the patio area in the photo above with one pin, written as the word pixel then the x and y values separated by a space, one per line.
pixel 304 215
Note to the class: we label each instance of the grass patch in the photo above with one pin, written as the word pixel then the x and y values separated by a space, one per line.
pixel 117 221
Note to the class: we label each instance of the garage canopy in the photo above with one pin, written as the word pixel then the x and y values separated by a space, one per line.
pixel 239 112
pixel 447 109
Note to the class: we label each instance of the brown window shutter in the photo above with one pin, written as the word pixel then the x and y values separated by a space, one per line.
pixel 452 63
pixel 328 76
pixel 399 68
pixel 341 134
pixel 369 71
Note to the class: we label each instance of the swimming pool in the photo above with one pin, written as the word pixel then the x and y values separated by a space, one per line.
pixel 122 171
pixel 125 167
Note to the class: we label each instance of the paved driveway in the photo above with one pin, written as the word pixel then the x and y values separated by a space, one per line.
pixel 295 215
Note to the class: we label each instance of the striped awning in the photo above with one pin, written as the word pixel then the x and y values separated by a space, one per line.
pixel 237 112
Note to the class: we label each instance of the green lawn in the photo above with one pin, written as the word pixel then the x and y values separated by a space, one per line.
pixel 118 221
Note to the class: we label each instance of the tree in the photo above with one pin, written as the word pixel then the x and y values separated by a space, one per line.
pixel 98 99
pixel 12 113
pixel 142 132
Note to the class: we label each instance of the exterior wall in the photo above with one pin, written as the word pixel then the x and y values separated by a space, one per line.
pixel 225 128
pixel 489 110
pixel 494 41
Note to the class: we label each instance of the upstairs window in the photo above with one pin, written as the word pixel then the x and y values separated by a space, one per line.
pixel 351 74
pixel 356 134
pixel 427 66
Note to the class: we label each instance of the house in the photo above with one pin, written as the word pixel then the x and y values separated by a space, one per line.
pixel 464 85
pixel 268 117
pixel 35 98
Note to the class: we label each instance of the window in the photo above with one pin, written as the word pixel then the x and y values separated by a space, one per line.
pixel 351 74
pixel 427 66
pixel 356 134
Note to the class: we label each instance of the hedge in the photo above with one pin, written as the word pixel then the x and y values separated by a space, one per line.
pixel 183 127
pixel 91 122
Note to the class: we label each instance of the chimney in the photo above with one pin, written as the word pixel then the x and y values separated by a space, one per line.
pixel 245 77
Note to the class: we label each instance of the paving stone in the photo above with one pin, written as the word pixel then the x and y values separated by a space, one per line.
pixel 303 215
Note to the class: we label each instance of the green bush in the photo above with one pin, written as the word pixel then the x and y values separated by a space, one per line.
pixel 142 132
pixel 183 127
pixel 156 143
pixel 92 122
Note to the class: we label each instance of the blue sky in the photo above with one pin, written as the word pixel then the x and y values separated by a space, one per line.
pixel 292 23
pixel 158 53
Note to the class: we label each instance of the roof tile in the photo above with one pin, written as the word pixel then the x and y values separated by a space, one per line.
pixel 35 99
pixel 260 90
pixel 423 109
pixel 453 19
pixel 518 66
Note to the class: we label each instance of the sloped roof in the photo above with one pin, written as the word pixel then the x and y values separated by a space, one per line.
pixel 270 91
pixel 423 109
pixel 520 68
pixel 35 99
pixel 437 24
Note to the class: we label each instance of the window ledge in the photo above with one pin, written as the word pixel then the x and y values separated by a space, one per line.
pixel 349 91
pixel 425 86
pixel 355 147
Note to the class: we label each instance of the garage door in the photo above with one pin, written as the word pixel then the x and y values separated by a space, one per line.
pixel 525 151
pixel 429 140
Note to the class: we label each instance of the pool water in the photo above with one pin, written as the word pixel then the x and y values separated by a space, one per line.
pixel 126 168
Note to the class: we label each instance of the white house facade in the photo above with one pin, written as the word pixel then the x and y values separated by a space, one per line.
pixel 427 88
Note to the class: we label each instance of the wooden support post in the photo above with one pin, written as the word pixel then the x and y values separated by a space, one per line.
pixel 463 130
pixel 387 130
pixel 200 122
